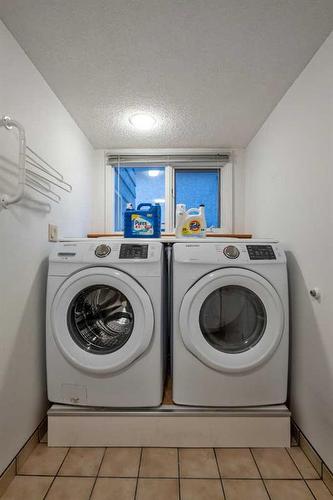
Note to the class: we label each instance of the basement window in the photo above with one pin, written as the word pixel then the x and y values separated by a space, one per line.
pixel 136 185
pixel 191 180
pixel 195 186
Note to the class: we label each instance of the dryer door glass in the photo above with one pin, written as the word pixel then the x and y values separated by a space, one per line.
pixel 100 319
pixel 232 319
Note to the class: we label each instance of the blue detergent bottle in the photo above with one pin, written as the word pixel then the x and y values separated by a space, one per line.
pixel 143 222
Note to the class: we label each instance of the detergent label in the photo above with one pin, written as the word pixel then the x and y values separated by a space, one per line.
pixel 142 225
pixel 192 228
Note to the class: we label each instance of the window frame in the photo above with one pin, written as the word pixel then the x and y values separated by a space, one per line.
pixel 226 180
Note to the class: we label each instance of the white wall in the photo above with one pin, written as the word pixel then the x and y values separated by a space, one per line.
pixel 25 96
pixel 98 216
pixel 238 191
pixel 288 195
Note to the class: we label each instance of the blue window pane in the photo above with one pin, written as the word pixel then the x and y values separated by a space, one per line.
pixel 195 186
pixel 138 185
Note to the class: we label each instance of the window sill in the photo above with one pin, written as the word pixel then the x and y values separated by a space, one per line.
pixel 168 235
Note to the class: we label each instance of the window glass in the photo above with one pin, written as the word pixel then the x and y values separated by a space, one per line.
pixel 232 319
pixel 138 185
pixel 196 186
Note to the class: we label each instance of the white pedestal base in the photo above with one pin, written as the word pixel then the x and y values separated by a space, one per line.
pixel 169 426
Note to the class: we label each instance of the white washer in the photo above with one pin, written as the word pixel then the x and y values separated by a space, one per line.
pixel 230 324
pixel 104 324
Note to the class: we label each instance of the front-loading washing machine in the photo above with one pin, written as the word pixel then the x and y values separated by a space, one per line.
pixel 104 324
pixel 230 324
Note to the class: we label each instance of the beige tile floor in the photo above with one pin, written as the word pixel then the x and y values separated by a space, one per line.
pixel 166 474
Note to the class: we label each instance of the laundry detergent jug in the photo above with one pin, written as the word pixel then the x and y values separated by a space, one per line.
pixel 142 222
pixel 191 222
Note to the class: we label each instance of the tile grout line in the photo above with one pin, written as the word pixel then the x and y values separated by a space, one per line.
pixel 99 468
pixel 48 489
pixel 219 471
pixel 262 479
pixel 293 461
pixel 299 470
pixel 62 463
pixel 308 487
pixel 174 477
pixel 56 474
pixel 138 475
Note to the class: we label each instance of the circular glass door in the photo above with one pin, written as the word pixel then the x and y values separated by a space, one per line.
pixel 232 320
pixel 101 320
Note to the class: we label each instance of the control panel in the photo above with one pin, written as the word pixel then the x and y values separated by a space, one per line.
pixel 133 251
pixel 261 252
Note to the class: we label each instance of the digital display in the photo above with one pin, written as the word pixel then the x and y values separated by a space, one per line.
pixel 132 251
pixel 261 252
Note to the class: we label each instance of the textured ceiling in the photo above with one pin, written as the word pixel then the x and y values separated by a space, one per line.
pixel 209 70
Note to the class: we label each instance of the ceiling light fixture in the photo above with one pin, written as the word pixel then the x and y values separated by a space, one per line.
pixel 142 121
pixel 153 173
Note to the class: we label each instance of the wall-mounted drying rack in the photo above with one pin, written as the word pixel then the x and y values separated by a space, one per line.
pixel 33 171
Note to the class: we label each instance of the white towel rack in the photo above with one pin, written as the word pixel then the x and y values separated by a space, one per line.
pixel 33 171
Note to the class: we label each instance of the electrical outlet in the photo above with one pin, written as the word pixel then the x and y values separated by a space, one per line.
pixel 53 232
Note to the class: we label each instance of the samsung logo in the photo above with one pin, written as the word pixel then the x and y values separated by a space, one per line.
pixel 193 245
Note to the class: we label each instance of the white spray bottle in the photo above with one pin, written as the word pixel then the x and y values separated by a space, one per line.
pixel 180 210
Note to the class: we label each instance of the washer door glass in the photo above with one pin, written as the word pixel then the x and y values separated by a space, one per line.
pixel 100 319
pixel 233 319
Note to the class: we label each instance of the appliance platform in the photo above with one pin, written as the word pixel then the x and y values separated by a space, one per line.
pixel 169 425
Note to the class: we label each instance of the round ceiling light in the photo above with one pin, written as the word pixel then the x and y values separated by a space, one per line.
pixel 142 121
pixel 153 173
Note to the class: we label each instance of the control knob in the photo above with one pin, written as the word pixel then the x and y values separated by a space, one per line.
pixel 102 250
pixel 231 252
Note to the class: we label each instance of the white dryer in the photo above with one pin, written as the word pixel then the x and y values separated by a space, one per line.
pixel 104 324
pixel 230 324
